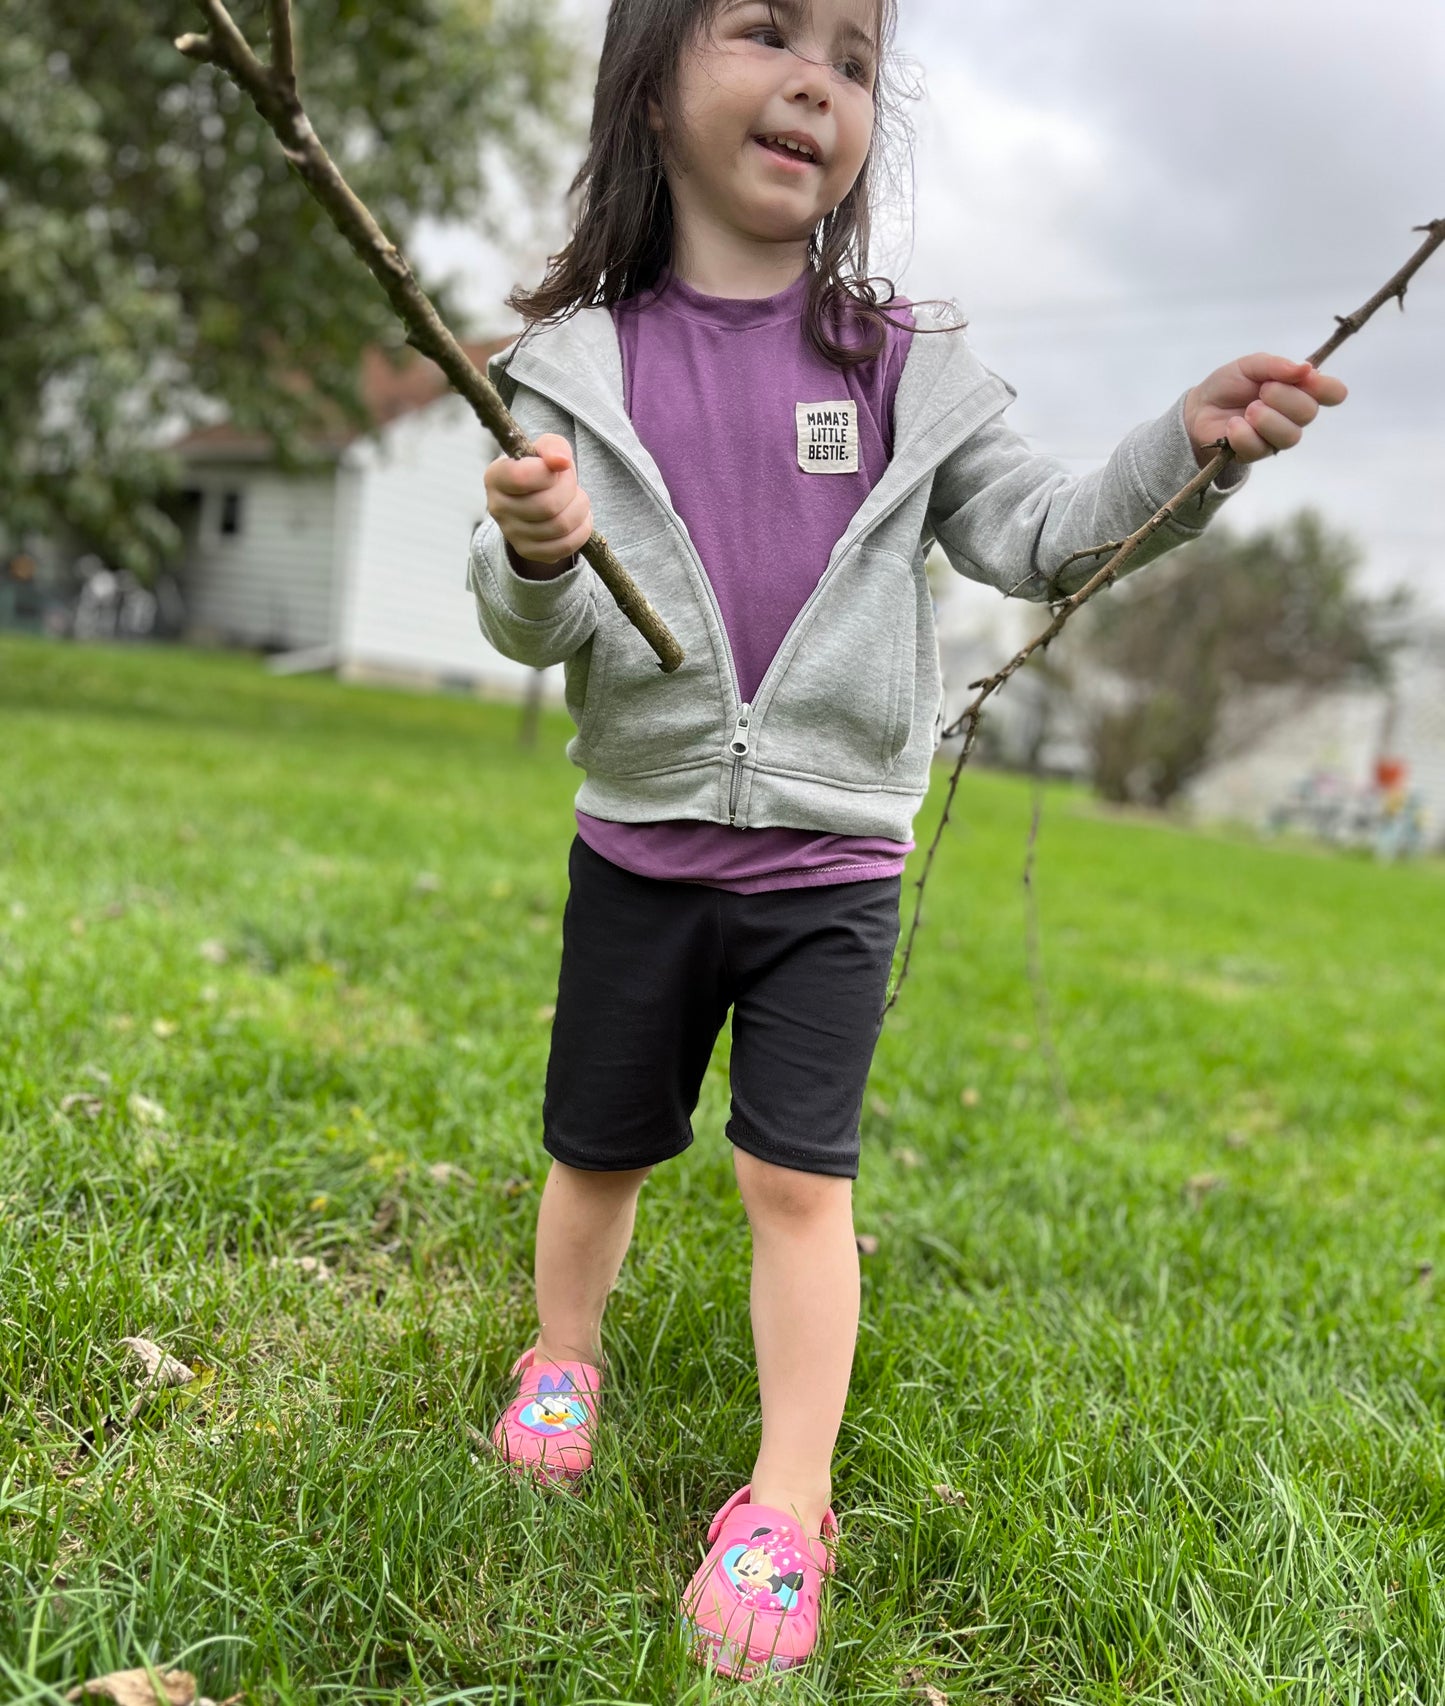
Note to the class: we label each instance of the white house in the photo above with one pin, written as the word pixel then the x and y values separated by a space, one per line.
pixel 1312 760
pixel 1324 756
pixel 360 566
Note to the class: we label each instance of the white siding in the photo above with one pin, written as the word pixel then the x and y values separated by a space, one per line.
pixel 411 500
pixel 1343 735
pixel 1419 735
pixel 273 581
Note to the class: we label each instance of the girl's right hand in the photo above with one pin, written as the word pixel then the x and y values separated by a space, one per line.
pixel 543 513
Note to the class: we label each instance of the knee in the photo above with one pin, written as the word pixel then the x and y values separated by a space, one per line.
pixel 585 1182
pixel 772 1193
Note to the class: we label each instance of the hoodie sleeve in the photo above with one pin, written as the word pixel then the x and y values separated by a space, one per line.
pixel 1009 516
pixel 535 622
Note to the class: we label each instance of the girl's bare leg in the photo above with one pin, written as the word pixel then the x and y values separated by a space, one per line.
pixel 584 1225
pixel 805 1326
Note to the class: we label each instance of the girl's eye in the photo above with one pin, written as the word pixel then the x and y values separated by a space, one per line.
pixel 854 69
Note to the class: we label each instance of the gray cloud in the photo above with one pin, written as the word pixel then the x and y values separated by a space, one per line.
pixel 1124 196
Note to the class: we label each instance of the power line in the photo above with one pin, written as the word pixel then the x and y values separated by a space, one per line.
pixel 1084 308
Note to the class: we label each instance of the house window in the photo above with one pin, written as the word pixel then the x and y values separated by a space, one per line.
pixel 230 512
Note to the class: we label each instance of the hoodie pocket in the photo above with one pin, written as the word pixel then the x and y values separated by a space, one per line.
pixel 582 689
pixel 843 707
pixel 632 720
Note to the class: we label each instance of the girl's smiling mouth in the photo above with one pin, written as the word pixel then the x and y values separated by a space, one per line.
pixel 799 157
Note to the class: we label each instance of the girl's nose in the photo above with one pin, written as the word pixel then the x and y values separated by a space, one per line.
pixel 821 101
pixel 809 82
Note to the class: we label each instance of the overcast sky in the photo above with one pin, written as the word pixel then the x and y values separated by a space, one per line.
pixel 1124 195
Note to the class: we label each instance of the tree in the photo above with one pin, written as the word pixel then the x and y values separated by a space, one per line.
pixel 1180 651
pixel 159 261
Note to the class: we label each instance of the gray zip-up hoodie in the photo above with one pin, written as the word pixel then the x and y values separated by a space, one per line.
pixel 842 729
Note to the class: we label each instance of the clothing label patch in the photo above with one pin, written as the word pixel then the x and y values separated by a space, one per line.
pixel 828 437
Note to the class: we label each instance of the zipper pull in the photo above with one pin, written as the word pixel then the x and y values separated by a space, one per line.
pixel 738 745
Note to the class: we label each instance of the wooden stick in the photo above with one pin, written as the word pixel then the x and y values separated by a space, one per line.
pixel 968 720
pixel 273 90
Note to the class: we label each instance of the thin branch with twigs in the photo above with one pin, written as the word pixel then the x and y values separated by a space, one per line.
pixel 967 723
pixel 273 90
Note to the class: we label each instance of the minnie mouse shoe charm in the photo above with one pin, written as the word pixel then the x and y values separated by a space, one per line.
pixel 752 1607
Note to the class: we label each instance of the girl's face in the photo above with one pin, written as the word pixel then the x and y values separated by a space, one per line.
pixel 799 68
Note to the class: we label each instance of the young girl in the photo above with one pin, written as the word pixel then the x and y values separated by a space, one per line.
pixel 771 450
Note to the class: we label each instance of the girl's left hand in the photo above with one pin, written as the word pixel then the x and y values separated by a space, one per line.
pixel 1260 403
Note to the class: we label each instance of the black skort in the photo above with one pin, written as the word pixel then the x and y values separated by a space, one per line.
pixel 649 971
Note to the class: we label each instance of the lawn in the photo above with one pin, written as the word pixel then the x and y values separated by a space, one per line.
pixel 1148 1397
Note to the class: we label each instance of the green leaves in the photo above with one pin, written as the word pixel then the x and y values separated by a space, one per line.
pixel 1193 639
pixel 161 264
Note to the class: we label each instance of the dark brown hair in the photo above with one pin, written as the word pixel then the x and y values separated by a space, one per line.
pixel 623 235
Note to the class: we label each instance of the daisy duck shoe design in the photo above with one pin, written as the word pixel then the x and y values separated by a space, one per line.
pixel 546 1430
pixel 752 1607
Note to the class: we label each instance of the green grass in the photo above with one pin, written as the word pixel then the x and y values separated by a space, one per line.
pixel 1189 1435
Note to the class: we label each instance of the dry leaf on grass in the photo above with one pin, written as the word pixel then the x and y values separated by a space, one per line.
pixel 164 1028
pixel 312 1266
pixel 970 1097
pixel 214 951
pixel 426 882
pixel 448 1173
pixel 1200 1185
pixel 147 1111
pixel 161 1368
pixel 163 1372
pixel 949 1495
pixel 135 1688
pixel 867 1244
pixel 82 1102
pixel 923 1689
pixel 908 1158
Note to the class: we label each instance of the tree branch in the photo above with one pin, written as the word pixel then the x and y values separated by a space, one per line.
pixel 273 90
pixel 968 720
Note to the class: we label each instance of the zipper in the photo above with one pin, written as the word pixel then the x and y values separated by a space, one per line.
pixel 852 533
pixel 742 717
pixel 738 747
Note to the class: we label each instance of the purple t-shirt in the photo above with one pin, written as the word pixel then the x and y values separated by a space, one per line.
pixel 712 384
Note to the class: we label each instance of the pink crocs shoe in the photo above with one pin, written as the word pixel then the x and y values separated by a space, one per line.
pixel 546 1430
pixel 752 1607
